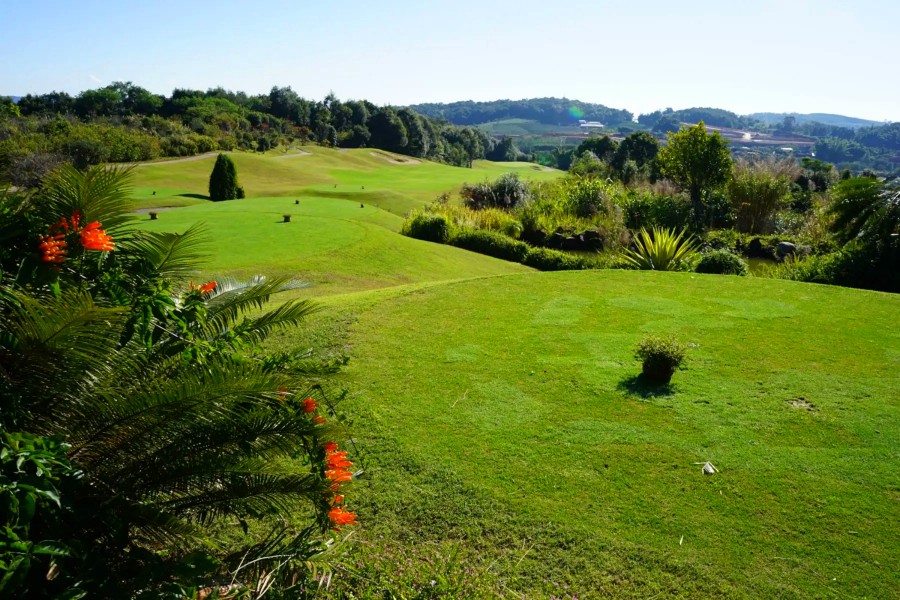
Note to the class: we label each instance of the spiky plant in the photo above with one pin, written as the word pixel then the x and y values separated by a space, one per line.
pixel 661 250
pixel 171 423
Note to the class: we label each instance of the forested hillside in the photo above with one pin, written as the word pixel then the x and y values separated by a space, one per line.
pixel 123 122
pixel 550 111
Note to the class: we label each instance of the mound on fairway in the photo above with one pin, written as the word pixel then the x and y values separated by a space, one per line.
pixel 508 422
pixel 334 244
pixel 389 181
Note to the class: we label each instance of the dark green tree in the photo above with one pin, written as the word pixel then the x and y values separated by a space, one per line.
pixel 223 182
pixel 504 151
pixel 640 146
pixel 603 147
pixel 698 162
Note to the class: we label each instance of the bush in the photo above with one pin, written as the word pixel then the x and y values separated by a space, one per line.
pixel 428 227
pixel 545 259
pixel 654 210
pixel 855 265
pixel 758 190
pixel 491 243
pixel 223 181
pixel 660 356
pixel 506 192
pixel 721 262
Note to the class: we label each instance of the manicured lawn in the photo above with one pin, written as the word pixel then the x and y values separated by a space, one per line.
pixel 500 417
pixel 354 174
pixel 331 243
pixel 508 448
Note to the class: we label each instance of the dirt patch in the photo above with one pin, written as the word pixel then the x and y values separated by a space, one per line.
pixel 293 154
pixel 394 160
pixel 802 404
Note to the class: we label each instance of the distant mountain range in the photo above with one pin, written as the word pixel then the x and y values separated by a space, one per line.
pixel 824 118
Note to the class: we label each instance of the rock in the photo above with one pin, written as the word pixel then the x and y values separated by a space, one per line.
pixel 755 248
pixel 785 248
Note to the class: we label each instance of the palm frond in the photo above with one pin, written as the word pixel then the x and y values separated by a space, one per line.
pixel 99 194
pixel 173 256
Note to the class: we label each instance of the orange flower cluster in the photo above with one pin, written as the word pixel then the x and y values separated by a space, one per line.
pixel 340 517
pixel 53 244
pixel 94 238
pixel 53 248
pixel 309 405
pixel 337 470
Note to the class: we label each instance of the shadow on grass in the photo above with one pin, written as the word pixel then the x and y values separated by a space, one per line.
pixel 639 385
pixel 196 196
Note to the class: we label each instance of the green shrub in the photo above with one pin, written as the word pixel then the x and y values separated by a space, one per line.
pixel 223 181
pixel 721 262
pixel 429 227
pixel 490 243
pixel 653 210
pixel 855 265
pixel 506 192
pixel 546 259
pixel 758 190
pixel 660 356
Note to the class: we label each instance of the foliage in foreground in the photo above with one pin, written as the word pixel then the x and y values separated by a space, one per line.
pixel 141 417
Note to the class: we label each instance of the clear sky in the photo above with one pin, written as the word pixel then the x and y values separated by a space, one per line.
pixel 642 55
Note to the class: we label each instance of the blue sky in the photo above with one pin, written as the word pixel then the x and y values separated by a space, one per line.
pixel 749 56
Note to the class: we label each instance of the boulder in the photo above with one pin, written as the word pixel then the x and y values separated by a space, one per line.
pixel 785 249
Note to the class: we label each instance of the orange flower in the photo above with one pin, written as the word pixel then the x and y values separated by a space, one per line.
pixel 207 287
pixel 330 447
pixel 53 248
pixel 309 405
pixel 338 475
pixel 318 420
pixel 338 460
pixel 94 238
pixel 338 499
pixel 340 517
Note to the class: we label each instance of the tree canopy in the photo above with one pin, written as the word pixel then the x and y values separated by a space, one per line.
pixel 697 161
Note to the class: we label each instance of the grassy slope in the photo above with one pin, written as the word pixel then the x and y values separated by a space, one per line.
pixel 323 172
pixel 497 417
pixel 528 443
pixel 332 241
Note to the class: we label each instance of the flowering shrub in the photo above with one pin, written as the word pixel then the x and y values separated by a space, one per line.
pixel 155 393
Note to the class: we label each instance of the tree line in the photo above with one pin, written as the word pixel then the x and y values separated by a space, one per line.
pixel 123 122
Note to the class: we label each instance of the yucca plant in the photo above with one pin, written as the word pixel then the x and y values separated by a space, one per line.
pixel 170 422
pixel 661 250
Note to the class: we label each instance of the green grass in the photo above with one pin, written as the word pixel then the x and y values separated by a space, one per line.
pixel 355 174
pixel 333 244
pixel 501 418
pixel 509 449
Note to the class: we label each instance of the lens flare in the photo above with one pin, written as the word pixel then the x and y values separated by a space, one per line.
pixel 576 113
